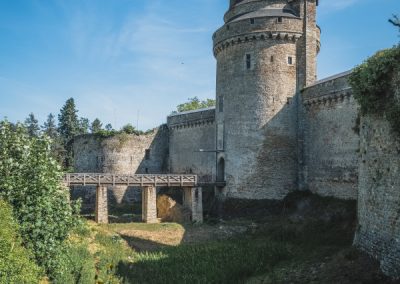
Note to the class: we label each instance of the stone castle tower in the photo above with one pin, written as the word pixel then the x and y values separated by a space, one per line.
pixel 266 51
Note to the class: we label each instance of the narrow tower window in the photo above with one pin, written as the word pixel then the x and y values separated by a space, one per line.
pixel 147 154
pixel 280 20
pixel 252 21
pixel 290 60
pixel 221 104
pixel 272 58
pixel 227 27
pixel 248 61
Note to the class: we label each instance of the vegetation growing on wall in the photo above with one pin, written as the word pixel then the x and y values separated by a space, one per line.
pixel 376 85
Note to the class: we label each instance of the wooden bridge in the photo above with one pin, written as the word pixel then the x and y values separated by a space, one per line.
pixel 192 192
pixel 130 180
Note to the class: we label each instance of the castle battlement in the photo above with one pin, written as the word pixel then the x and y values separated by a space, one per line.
pixel 328 91
pixel 191 118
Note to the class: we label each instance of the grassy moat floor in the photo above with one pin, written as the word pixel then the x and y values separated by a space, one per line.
pixel 271 249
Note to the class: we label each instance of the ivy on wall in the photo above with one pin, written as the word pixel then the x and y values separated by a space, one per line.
pixel 376 85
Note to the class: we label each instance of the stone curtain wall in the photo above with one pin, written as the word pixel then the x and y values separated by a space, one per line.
pixel 123 154
pixel 188 133
pixel 331 141
pixel 379 194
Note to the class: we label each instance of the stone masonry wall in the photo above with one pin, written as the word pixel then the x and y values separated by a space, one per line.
pixel 331 141
pixel 190 132
pixel 123 154
pixel 379 194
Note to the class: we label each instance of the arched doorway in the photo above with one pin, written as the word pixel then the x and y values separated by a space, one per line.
pixel 221 170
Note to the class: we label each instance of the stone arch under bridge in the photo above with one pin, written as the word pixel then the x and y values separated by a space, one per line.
pixel 192 192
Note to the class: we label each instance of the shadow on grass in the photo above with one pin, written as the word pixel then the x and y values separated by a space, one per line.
pixel 141 245
pixel 229 261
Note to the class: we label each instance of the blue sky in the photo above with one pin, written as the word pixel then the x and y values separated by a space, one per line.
pixel 129 61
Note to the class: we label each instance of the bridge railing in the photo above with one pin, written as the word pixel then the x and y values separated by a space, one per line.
pixel 130 180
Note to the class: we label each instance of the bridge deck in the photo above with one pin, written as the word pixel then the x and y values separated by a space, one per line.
pixel 130 180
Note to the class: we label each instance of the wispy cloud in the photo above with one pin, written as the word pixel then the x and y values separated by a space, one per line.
pixel 335 5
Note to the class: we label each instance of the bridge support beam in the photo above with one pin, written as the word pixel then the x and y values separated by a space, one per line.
pixel 193 199
pixel 101 214
pixel 149 204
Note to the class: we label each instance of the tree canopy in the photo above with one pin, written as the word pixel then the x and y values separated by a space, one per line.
pixel 96 126
pixel 395 21
pixel 30 182
pixel 49 127
pixel 32 125
pixel 68 124
pixel 194 103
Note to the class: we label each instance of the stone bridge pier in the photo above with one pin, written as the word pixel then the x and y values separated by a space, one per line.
pixel 192 193
pixel 192 199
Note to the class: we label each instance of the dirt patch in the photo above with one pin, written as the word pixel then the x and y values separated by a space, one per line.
pixel 168 210
pixel 143 239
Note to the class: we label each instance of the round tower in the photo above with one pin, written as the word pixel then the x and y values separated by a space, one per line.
pixel 262 57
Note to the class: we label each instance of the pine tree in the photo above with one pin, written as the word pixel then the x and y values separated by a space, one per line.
pixel 109 127
pixel 84 125
pixel 68 124
pixel 32 125
pixel 96 126
pixel 49 127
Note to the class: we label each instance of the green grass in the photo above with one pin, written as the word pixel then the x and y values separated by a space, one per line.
pixel 275 246
pixel 230 261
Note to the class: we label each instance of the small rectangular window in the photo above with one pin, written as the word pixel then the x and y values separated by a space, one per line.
pixel 227 27
pixel 290 60
pixel 248 61
pixel 252 21
pixel 221 104
pixel 280 19
pixel 147 154
pixel 272 58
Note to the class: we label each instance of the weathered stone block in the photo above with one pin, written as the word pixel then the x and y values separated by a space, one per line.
pixel 149 204
pixel 193 199
pixel 101 214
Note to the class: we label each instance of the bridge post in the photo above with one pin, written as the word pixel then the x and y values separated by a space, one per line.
pixel 149 204
pixel 101 205
pixel 193 199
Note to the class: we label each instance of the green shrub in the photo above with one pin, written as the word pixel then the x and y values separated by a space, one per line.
pixel 16 262
pixel 78 265
pixel 30 180
pixel 375 85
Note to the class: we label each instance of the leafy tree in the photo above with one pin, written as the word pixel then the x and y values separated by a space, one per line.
pixel 96 126
pixel 84 125
pixel 129 129
pixel 193 104
pixel 32 125
pixel 49 127
pixel 109 127
pixel 395 21
pixel 30 181
pixel 68 123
